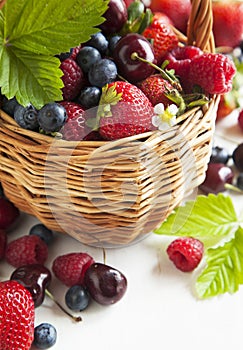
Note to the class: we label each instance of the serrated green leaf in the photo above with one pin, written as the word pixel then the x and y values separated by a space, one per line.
pixel 224 270
pixel 207 218
pixel 50 27
pixel 31 33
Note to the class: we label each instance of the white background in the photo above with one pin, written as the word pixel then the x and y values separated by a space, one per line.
pixel 159 309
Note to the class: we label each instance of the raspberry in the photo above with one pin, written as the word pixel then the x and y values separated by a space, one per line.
pixel 3 243
pixel 186 253
pixel 73 79
pixel 70 268
pixel 212 72
pixel 8 213
pixel 73 109
pixel 75 129
pixel 75 51
pixel 26 250
pixel 180 60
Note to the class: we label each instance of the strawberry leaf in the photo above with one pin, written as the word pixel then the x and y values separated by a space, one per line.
pixel 32 32
pixel 224 270
pixel 208 218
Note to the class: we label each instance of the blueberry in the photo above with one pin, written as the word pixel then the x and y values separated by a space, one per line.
pixel 26 117
pixel 102 72
pixel 112 42
pixel 87 56
pixel 219 155
pixel 98 41
pixel 43 232
pixel 8 106
pixel 90 97
pixel 239 181
pixel 64 55
pixel 52 117
pixel 77 298
pixel 45 336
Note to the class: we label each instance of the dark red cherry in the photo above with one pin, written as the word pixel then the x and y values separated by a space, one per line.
pixel 115 17
pixel 105 284
pixel 130 68
pixel 217 175
pixel 35 278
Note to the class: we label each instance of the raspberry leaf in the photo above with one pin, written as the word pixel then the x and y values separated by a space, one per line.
pixel 224 270
pixel 32 32
pixel 208 218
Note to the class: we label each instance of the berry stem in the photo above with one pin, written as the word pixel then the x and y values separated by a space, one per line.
pixel 75 318
pixel 165 75
pixel 233 188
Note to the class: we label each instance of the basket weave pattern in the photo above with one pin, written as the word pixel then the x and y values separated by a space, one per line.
pixel 111 193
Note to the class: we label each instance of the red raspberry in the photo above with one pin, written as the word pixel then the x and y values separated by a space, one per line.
pixel 180 60
pixel 29 249
pixel 75 52
pixel 3 243
pixel 8 213
pixel 73 79
pixel 76 129
pixel 186 253
pixel 212 72
pixel 73 109
pixel 70 268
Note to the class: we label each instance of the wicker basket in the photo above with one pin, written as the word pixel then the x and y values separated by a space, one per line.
pixel 111 193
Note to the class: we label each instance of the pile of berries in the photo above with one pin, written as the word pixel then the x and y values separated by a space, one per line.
pixel 113 82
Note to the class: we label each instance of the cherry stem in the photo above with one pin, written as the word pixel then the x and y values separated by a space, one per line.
pixel 75 318
pixel 176 84
pixel 233 188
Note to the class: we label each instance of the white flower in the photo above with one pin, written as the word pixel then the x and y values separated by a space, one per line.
pixel 164 118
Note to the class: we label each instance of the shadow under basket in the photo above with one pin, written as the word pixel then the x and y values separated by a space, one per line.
pixel 110 194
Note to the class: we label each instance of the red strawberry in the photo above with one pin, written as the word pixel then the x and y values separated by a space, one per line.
pixel 8 213
pixel 124 110
pixel 73 79
pixel 186 253
pixel 226 106
pixel 177 10
pixel 155 87
pixel 227 22
pixel 162 38
pixel 16 317
pixel 180 59
pixel 212 72
pixel 70 268
pixel 3 243
pixel 73 109
pixel 28 249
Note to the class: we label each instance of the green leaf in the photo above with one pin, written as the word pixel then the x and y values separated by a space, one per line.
pixel 208 218
pixel 224 270
pixel 32 32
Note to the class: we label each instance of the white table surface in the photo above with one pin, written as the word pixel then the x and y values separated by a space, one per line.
pixel 159 310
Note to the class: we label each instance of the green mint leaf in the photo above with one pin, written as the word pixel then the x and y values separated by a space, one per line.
pixel 208 218
pixel 224 270
pixel 31 33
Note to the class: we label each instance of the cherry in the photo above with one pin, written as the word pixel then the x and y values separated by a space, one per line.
pixel 115 17
pixel 240 119
pixel 105 284
pixel 129 67
pixel 217 175
pixel 237 157
pixel 8 213
pixel 35 278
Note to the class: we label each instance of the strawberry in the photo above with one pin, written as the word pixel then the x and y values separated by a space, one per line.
pixel 70 268
pixel 162 38
pixel 227 22
pixel 3 243
pixel 73 109
pixel 124 110
pixel 16 316
pixel 28 249
pixel 186 253
pixel 155 87
pixel 73 79
pixel 8 213
pixel 212 72
pixel 225 107
pixel 177 10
